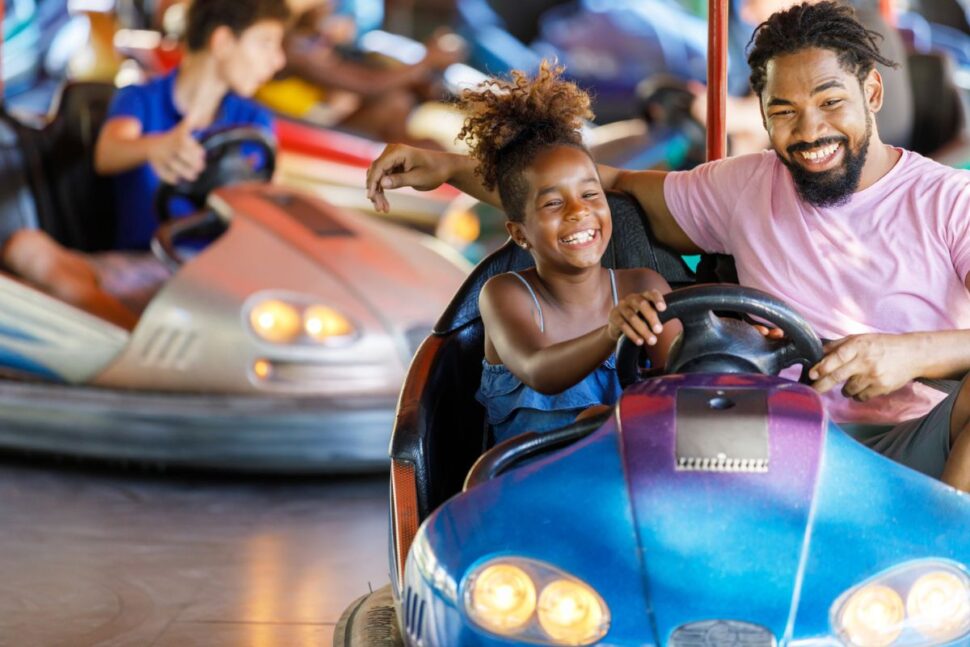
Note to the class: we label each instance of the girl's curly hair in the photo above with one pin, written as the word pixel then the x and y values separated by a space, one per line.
pixel 511 121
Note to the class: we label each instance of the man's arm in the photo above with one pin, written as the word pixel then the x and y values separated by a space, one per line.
pixel 400 165
pixel 877 364
pixel 647 187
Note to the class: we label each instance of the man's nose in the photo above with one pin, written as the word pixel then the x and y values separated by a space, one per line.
pixel 809 126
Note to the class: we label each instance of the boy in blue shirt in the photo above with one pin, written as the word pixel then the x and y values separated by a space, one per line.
pixel 233 47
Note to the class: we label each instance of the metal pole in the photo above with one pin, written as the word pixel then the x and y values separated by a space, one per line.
pixel 717 25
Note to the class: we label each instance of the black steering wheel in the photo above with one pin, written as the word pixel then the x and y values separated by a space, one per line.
pixel 710 344
pixel 227 161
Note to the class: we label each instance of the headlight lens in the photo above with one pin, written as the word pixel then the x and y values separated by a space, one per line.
pixel 873 616
pixel 500 596
pixel 324 324
pixel 276 321
pixel 284 318
pixel 503 598
pixel 570 612
pixel 936 609
pixel 939 604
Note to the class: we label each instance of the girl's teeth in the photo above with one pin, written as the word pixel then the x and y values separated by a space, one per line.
pixel 580 237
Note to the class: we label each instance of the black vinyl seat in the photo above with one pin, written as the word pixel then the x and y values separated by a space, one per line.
pixel 54 168
pixel 440 428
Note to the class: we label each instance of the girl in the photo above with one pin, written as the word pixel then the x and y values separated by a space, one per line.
pixel 550 332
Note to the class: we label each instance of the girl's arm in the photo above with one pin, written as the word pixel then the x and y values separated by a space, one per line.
pixel 509 316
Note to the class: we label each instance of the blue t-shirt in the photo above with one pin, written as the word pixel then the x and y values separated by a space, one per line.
pixel 153 104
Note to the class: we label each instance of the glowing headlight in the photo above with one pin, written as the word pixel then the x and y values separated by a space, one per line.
pixel 276 321
pixel 936 609
pixel 500 596
pixel 939 605
pixel 503 598
pixel 873 616
pixel 325 324
pixel 570 612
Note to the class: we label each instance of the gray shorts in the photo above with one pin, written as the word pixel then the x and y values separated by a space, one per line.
pixel 922 444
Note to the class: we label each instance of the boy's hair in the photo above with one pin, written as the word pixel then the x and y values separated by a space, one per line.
pixel 205 16
pixel 512 121
pixel 827 25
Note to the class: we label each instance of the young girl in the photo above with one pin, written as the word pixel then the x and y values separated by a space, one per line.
pixel 550 332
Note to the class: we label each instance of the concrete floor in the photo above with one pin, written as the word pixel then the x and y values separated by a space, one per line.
pixel 93 557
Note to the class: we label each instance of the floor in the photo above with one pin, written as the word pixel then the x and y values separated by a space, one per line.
pixel 96 557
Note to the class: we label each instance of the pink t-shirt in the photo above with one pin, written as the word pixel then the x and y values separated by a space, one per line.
pixel 893 259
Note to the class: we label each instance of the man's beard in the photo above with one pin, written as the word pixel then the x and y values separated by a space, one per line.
pixel 834 187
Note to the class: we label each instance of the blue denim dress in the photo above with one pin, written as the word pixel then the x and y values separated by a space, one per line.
pixel 511 407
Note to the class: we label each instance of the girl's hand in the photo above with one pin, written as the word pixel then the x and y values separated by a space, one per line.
pixel 636 317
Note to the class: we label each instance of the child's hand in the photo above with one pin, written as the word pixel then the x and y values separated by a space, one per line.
pixel 176 155
pixel 636 317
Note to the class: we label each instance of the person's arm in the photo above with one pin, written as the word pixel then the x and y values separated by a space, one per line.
pixel 400 165
pixel 174 155
pixel 877 364
pixel 323 66
pixel 508 316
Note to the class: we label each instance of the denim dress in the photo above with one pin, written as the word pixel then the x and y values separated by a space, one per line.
pixel 512 408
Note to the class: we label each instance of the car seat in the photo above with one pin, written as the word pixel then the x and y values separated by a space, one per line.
pixel 440 428
pixel 940 115
pixel 71 202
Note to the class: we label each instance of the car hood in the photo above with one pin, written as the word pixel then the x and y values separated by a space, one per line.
pixel 722 471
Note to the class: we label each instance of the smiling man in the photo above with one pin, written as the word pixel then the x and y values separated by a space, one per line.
pixel 871 243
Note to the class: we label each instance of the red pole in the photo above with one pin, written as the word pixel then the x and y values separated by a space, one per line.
pixel 888 11
pixel 1 51
pixel 717 25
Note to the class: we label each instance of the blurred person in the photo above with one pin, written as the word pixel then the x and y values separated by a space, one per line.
pixel 152 131
pixel 325 86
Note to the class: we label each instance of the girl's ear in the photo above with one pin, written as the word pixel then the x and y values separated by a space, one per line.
pixel 517 232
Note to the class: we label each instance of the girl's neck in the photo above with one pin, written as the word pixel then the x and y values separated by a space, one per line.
pixel 198 89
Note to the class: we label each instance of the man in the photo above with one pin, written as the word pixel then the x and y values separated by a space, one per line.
pixel 870 242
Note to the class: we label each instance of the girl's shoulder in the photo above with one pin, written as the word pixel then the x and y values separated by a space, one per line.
pixel 504 285
pixel 639 279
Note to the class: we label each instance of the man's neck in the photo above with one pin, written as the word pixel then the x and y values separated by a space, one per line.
pixel 881 158
pixel 199 89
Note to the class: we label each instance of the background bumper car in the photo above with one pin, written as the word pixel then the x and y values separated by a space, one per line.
pixel 280 346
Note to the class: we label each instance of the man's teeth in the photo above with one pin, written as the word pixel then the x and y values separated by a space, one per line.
pixel 820 153
pixel 579 237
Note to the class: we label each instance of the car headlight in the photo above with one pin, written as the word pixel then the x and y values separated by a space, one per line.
pixel 924 603
pixel 500 597
pixel 290 319
pixel 276 321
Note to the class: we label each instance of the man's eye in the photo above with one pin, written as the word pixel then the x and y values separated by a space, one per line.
pixel 831 103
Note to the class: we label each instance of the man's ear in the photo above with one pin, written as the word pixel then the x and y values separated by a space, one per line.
pixel 873 90
pixel 221 40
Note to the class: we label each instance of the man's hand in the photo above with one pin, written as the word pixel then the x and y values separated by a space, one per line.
pixel 176 156
pixel 400 165
pixel 870 365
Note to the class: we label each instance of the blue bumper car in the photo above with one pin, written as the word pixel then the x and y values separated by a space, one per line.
pixel 715 506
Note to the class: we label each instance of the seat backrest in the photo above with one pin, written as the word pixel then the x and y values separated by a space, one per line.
pixel 940 114
pixel 440 427
pixel 74 204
